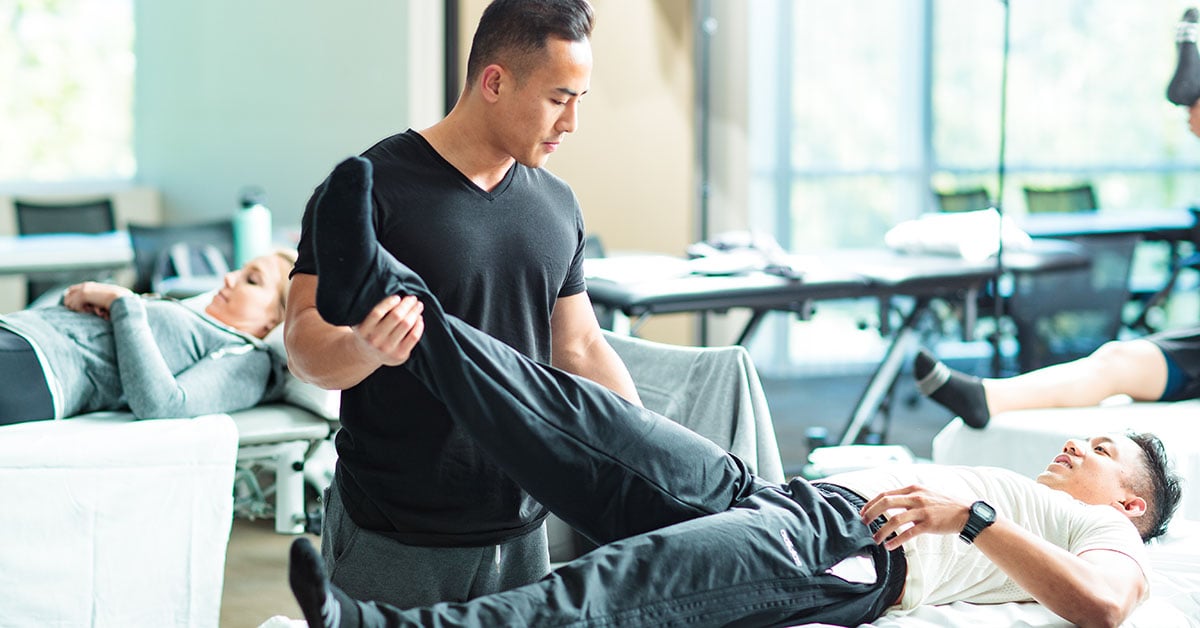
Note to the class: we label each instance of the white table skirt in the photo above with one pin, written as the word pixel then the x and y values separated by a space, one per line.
pixel 109 521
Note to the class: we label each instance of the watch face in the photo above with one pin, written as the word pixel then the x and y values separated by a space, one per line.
pixel 982 516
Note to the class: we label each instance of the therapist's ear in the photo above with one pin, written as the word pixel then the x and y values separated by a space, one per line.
pixel 491 80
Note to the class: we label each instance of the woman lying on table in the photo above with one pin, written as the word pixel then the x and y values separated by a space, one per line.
pixel 106 348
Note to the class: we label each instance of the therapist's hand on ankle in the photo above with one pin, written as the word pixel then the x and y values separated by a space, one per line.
pixel 391 329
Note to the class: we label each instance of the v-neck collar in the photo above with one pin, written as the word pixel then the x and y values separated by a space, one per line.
pixel 495 193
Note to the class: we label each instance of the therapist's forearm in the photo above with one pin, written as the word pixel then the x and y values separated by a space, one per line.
pixel 327 356
pixel 319 353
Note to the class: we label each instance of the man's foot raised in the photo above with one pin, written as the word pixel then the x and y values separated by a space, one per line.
pixel 306 575
pixel 354 272
pixel 960 393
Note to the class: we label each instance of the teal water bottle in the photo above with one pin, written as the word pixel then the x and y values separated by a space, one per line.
pixel 251 227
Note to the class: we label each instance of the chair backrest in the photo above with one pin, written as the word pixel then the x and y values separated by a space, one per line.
pixel 151 242
pixel 1064 315
pixel 713 391
pixel 93 216
pixel 593 246
pixel 1075 198
pixel 963 200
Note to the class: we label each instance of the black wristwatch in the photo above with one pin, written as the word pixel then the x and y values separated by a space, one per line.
pixel 982 516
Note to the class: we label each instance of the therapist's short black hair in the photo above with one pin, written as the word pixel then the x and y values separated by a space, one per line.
pixel 512 32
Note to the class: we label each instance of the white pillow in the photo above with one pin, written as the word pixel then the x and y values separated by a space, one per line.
pixel 971 235
pixel 321 402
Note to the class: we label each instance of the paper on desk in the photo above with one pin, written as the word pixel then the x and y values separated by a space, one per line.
pixel 635 268
pixel 638 268
pixel 735 262
pixel 971 235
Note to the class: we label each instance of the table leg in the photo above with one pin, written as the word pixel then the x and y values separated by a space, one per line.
pixel 903 343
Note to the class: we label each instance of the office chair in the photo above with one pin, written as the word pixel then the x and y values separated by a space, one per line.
pixel 1146 295
pixel 95 216
pixel 1178 265
pixel 969 199
pixel 1075 198
pixel 593 248
pixel 1083 198
pixel 1061 316
pixel 153 247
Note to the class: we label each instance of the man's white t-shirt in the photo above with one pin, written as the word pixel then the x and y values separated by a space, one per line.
pixel 943 569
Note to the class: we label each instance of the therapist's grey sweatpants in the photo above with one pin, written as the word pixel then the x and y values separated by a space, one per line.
pixel 371 566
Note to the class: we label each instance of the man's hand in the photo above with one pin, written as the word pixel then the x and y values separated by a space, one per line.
pixel 91 297
pixel 915 510
pixel 391 330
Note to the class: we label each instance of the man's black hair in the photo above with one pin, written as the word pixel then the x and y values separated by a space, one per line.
pixel 1160 487
pixel 513 31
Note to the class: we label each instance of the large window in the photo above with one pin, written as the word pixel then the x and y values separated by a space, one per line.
pixel 859 109
pixel 1086 101
pixel 67 70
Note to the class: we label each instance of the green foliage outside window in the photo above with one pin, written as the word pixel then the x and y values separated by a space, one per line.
pixel 66 90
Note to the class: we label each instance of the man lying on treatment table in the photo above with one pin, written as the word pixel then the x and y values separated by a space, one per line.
pixel 689 536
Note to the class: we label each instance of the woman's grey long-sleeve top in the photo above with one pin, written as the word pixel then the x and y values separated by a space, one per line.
pixel 157 357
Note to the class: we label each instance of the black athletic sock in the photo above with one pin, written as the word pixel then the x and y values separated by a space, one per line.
pixel 960 393
pixel 354 272
pixel 321 602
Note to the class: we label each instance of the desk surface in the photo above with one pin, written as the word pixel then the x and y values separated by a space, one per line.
pixel 657 284
pixel 1153 224
pixel 647 285
pixel 64 252
pixel 638 285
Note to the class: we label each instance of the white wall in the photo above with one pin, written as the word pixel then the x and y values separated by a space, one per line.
pixel 268 92
pixel 274 93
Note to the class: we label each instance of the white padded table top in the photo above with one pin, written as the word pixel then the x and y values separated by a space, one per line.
pixel 278 422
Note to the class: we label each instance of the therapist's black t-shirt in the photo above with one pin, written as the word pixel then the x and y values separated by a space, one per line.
pixel 498 260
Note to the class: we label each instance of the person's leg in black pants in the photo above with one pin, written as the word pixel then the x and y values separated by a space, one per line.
pixel 571 443
pixel 689 532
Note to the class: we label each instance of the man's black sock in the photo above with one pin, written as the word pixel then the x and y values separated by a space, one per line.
pixel 960 393
pixel 354 273
pixel 314 594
